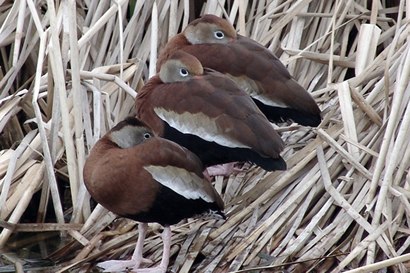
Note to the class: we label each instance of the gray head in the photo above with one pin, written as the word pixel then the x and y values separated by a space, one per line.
pixel 210 29
pixel 130 132
pixel 180 67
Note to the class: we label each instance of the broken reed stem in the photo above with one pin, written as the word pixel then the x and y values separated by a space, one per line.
pixel 403 81
pixel 344 153
pixel 59 79
pixel 154 40
pixel 19 31
pixel 380 265
pixel 346 109
pixel 46 150
pixel 343 202
pixel 78 210
pixel 31 182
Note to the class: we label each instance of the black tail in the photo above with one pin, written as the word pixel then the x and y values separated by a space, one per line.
pixel 211 153
pixel 269 164
pixel 280 114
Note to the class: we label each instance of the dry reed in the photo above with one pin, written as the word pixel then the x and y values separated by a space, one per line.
pixel 68 71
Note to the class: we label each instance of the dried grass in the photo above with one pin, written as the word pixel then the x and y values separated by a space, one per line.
pixel 68 74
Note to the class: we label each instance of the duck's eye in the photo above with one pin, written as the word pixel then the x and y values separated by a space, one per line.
pixel 183 72
pixel 147 135
pixel 219 34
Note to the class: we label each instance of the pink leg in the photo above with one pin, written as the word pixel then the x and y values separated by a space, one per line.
pixel 137 255
pixel 136 260
pixel 223 169
pixel 162 268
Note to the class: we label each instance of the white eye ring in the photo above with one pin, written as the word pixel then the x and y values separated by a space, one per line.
pixel 219 34
pixel 183 72
pixel 147 135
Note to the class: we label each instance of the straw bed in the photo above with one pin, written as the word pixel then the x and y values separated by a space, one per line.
pixel 70 70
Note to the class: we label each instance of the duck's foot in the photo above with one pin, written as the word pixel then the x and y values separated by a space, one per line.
pixel 120 266
pixel 223 169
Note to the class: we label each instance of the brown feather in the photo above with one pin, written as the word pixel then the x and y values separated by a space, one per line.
pixel 116 177
pixel 220 99
pixel 249 64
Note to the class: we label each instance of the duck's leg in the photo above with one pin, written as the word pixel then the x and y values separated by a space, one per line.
pixel 137 255
pixel 136 259
pixel 162 268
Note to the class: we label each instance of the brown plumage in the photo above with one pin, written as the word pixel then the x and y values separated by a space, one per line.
pixel 254 68
pixel 148 179
pixel 209 114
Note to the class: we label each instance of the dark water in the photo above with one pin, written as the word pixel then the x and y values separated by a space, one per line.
pixel 29 252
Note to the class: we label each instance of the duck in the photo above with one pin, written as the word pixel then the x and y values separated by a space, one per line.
pixel 209 114
pixel 140 176
pixel 215 43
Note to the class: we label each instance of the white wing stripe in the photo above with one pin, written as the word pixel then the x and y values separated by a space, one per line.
pixel 250 87
pixel 207 129
pixel 185 183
